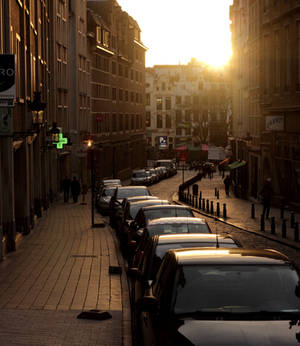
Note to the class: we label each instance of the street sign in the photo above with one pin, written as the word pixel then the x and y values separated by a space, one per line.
pixel 5 121
pixel 7 76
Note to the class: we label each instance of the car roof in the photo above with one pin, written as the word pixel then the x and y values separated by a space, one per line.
pixel 138 170
pixel 139 198
pixel 193 238
pixel 171 206
pixel 178 220
pixel 133 187
pixel 235 256
pixel 112 186
pixel 149 200
pixel 111 181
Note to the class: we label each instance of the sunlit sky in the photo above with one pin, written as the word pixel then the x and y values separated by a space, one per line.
pixel 177 30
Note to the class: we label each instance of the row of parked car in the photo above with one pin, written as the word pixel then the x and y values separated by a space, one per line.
pixel 163 169
pixel 190 286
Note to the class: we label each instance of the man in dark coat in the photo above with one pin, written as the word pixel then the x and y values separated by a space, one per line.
pixel 66 184
pixel 266 197
pixel 75 189
pixel 227 183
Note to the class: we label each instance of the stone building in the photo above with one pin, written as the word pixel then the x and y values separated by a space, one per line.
pixel 266 65
pixel 117 81
pixel 185 104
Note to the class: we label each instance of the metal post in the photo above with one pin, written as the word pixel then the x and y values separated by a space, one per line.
pixel 252 211
pixel 215 191
pixel 199 203
pixel 203 204
pixel 283 230
pixel 218 208
pixel 273 225
pixel 218 194
pixel 224 211
pixel 262 222
pixel 92 187
pixel 200 195
pixel 212 207
pixel 207 205
pixel 296 235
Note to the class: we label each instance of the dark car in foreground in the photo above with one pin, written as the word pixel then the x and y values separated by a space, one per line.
pixel 221 297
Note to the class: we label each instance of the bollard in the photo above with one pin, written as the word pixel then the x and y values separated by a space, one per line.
pixel 296 236
pixel 207 205
pixel 218 208
pixel 218 194
pixel 200 195
pixel 262 222
pixel 292 219
pixel 190 199
pixel 193 201
pixel 283 229
pixel 215 191
pixel 199 203
pixel 212 207
pixel 224 211
pixel 273 225
pixel 203 204
pixel 196 202
pixel 252 211
pixel 282 212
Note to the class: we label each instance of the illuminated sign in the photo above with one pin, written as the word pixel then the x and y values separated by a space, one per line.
pixel 61 141
pixel 7 76
pixel 275 123
pixel 163 142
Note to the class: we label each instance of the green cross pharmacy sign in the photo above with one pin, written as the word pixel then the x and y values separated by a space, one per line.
pixel 61 141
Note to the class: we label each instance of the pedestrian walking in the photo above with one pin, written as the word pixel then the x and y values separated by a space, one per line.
pixel 266 194
pixel 227 183
pixel 75 189
pixel 84 192
pixel 66 184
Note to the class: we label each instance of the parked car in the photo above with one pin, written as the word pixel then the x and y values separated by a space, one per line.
pixel 140 177
pixel 167 226
pixel 120 194
pixel 169 164
pixel 102 202
pixel 221 297
pixel 129 213
pixel 145 214
pixel 154 175
pixel 155 247
pixel 159 173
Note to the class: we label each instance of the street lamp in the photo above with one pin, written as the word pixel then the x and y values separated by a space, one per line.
pixel 37 108
pixel 90 145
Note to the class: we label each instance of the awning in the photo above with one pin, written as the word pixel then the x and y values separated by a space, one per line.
pixel 224 161
pixel 237 164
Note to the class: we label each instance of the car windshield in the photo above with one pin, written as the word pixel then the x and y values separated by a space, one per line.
pixel 236 289
pixel 167 212
pixel 161 249
pixel 132 192
pixel 134 208
pixel 108 192
pixel 174 228
pixel 139 175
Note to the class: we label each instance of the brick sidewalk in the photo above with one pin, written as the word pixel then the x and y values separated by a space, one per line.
pixel 239 211
pixel 59 270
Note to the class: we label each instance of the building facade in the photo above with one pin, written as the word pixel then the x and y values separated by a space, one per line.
pixel 266 65
pixel 117 82
pixel 185 104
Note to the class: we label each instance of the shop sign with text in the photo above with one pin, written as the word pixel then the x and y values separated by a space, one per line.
pixel 7 76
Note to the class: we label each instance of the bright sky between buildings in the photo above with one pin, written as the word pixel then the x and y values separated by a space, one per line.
pixel 177 30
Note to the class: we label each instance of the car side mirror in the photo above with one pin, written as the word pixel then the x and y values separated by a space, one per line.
pixel 148 304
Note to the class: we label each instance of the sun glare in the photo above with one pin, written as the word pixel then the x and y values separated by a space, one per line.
pixel 174 31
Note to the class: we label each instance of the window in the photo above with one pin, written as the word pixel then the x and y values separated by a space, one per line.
pixel 120 70
pixel 114 93
pixel 159 121
pixel 120 94
pixel 178 100
pixel 298 51
pixel 148 99
pixel 126 95
pixel 178 116
pixel 277 61
pixel 148 119
pixel 168 121
pixel 168 103
pixel 113 67
pixel 159 103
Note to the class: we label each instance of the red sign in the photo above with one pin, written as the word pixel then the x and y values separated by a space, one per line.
pixel 204 147
pixel 99 117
